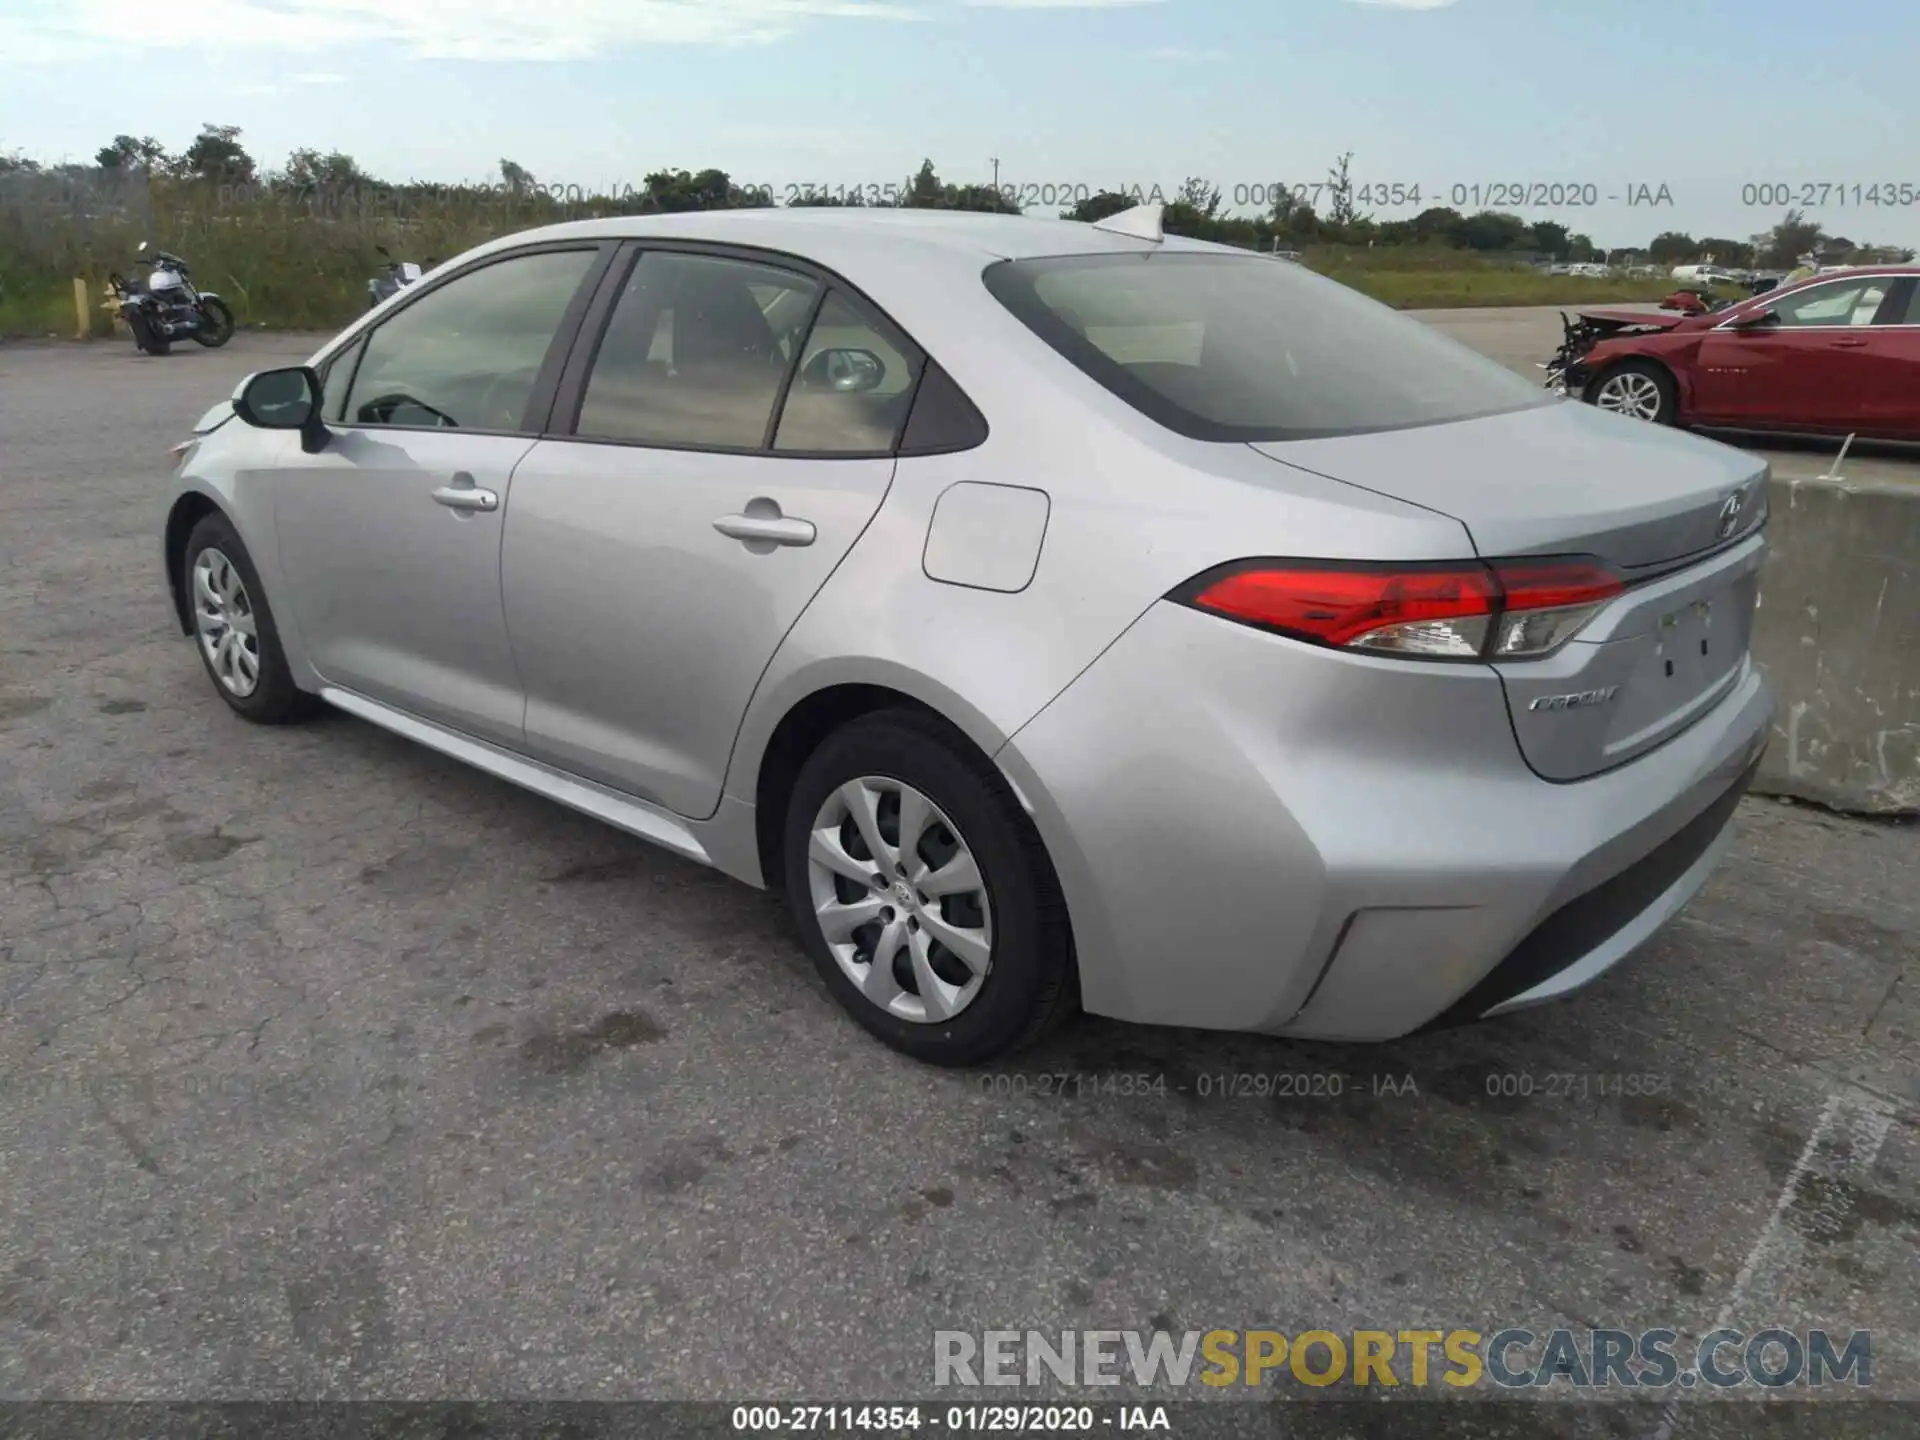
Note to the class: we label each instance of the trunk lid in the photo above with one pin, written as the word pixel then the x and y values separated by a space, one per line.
pixel 1657 505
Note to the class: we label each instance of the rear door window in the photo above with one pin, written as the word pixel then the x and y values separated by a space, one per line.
pixel 696 352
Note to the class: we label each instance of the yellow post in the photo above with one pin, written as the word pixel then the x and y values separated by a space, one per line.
pixel 81 312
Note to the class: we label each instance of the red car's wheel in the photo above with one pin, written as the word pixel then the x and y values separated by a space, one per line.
pixel 1638 389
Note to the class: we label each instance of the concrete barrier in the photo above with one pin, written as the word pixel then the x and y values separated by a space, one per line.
pixel 1838 634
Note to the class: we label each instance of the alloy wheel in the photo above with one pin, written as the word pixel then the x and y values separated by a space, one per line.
pixel 900 899
pixel 1630 393
pixel 224 621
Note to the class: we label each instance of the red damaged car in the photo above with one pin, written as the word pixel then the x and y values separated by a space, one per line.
pixel 1833 354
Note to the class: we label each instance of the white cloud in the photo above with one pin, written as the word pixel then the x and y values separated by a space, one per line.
pixel 1181 54
pixel 1060 4
pixel 1406 4
pixel 425 29
pixel 319 79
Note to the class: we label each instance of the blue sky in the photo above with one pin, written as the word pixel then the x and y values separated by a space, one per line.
pixel 1701 96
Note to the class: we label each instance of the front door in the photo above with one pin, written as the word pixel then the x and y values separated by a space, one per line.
pixel 1804 369
pixel 389 538
pixel 735 434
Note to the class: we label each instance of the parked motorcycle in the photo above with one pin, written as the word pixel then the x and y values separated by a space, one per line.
pixel 399 274
pixel 165 306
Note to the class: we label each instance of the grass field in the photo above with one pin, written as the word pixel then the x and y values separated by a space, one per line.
pixel 283 266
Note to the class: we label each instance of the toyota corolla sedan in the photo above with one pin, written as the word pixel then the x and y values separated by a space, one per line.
pixel 1835 354
pixel 1059 615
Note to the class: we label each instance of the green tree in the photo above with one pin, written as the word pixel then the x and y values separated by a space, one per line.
pixel 1340 209
pixel 310 170
pixel 217 155
pixel 1098 206
pixel 1492 230
pixel 516 177
pixel 1548 237
pixel 837 199
pixel 1580 248
pixel 130 152
pixel 676 191
pixel 1673 247
pixel 1781 247
pixel 924 190
pixel 1439 223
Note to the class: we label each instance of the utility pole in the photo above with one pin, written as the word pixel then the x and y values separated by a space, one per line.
pixel 996 173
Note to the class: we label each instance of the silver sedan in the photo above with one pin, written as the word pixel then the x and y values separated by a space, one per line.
pixel 1060 615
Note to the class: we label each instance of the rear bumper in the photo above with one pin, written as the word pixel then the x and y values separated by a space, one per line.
pixel 1259 835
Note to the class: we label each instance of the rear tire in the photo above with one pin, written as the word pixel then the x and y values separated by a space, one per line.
pixel 233 628
pixel 146 339
pixel 1638 389
pixel 984 883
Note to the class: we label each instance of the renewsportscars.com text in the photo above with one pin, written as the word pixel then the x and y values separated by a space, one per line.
pixel 1512 1358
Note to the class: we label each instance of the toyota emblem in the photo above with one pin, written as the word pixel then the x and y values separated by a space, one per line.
pixel 1730 515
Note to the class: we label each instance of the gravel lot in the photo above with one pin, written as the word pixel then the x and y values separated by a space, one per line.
pixel 330 1069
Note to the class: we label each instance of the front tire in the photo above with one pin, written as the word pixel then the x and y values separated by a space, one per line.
pixel 1638 389
pixel 233 628
pixel 923 896
pixel 216 322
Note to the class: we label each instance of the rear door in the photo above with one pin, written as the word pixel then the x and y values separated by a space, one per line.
pixel 725 431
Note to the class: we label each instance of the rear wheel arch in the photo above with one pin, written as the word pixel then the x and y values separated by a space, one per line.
pixel 805 726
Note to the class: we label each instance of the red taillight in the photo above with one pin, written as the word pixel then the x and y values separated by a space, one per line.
pixel 1554 584
pixel 1463 610
pixel 1337 605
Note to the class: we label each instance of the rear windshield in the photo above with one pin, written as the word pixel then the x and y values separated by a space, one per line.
pixel 1248 347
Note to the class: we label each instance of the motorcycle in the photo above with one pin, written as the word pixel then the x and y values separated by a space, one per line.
pixel 399 275
pixel 166 306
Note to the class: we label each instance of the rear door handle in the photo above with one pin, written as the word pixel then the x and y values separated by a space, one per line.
pixel 774 529
pixel 463 494
pixel 1849 344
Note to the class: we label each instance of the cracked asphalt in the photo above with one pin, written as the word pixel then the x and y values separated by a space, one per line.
pixel 329 1069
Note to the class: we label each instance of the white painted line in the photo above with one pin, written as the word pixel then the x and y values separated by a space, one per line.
pixel 1867 1124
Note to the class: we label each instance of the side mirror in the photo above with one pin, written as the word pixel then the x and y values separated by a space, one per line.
pixel 848 371
pixel 383 252
pixel 287 399
pixel 1759 320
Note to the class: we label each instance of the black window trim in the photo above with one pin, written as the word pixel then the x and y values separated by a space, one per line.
pixel 352 355
pixel 1898 304
pixel 540 398
pixel 570 395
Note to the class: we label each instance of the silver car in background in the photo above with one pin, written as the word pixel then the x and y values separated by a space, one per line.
pixel 1059 614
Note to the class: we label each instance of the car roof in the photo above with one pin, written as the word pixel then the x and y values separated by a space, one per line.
pixel 823 232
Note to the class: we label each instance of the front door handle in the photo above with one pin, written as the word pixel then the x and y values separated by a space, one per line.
pixel 1854 344
pixel 463 494
pixel 766 528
